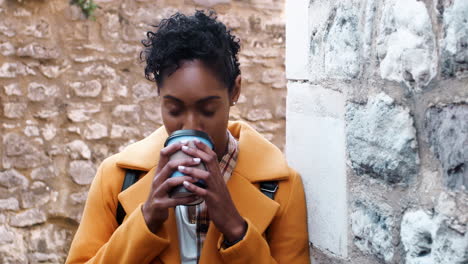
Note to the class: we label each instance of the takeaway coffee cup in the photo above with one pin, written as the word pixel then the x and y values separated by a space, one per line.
pixel 188 135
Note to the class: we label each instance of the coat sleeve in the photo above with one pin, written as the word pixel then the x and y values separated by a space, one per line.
pixel 287 238
pixel 99 239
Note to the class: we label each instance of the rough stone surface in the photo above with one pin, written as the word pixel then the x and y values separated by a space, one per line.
pixel 87 89
pixel 27 218
pixel 82 111
pixel 13 89
pixel 259 114
pixel 79 198
pixel 12 70
pixel 372 229
pixel 39 194
pixel 6 236
pixel 43 173
pixel 127 113
pixel 406 44
pixel 427 239
pixel 381 140
pixel 454 45
pixel 20 153
pixel 38 51
pixel 49 244
pixel 119 131
pixel 447 128
pixel 14 110
pixel 82 171
pixel 78 149
pixel 144 91
pixel 12 178
pixel 49 131
pixel 7 49
pixel 40 92
pixel 9 204
pixel 95 131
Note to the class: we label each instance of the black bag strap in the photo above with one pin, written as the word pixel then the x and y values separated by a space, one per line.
pixel 269 188
pixel 131 176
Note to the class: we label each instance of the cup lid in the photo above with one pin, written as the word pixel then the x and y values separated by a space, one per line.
pixel 188 132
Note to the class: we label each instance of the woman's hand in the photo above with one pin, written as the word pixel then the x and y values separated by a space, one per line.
pixel 155 209
pixel 221 209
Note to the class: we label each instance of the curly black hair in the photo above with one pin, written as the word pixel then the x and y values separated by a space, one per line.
pixel 200 36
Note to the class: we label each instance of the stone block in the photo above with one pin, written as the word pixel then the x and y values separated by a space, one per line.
pixel 38 92
pixel 28 218
pixel 373 228
pixel 49 131
pixel 49 244
pixel 7 28
pixel 259 114
pixel 447 129
pixel 13 69
pixel 129 114
pixel 13 89
pixel 14 110
pixel 81 112
pixel 7 49
pixel 211 3
pixel 406 45
pixel 21 153
pixel 335 41
pixel 43 173
pixel 82 171
pixel 427 240
pixel 144 90
pixel 119 131
pixel 381 140
pixel 9 204
pixel 453 45
pixel 6 236
pixel 37 195
pixel 87 89
pixel 275 78
pixel 12 178
pixel 95 131
pixel 38 51
pixel 39 28
pixel 78 149
pixel 79 198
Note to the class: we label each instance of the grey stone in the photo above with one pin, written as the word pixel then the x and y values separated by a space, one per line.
pixel 143 91
pixel 14 110
pixel 111 26
pixel 21 12
pixel 372 229
pixel 14 69
pixel 275 77
pixel 9 204
pixel 335 42
pixel 259 114
pixel 82 171
pixel 82 112
pixel 38 51
pixel 54 71
pixel 7 49
pixel 152 112
pixel 454 51
pixel 129 114
pixel 77 149
pixel 381 140
pixel 406 44
pixel 6 236
pixel 40 92
pixel 119 131
pixel 38 257
pixel 211 3
pixel 99 70
pixel 43 173
pixel 28 218
pixel 39 194
pixel 95 131
pixel 20 153
pixel 7 28
pixel 49 243
pixel 447 129
pixel 31 131
pixel 427 240
pixel 87 89
pixel 13 89
pixel 12 178
pixel 46 114
pixel 48 132
pixel 79 198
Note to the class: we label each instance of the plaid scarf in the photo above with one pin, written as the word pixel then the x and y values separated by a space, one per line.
pixel 226 165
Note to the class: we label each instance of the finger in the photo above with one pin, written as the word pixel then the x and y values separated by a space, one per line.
pixel 171 183
pixel 173 202
pixel 198 191
pixel 194 172
pixel 166 153
pixel 172 166
pixel 202 146
pixel 198 153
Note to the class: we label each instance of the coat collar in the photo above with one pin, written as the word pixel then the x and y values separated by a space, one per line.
pixel 258 161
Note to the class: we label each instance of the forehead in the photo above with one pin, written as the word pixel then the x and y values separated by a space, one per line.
pixel 192 80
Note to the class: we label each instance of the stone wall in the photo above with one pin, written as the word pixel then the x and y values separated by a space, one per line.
pixel 377 124
pixel 73 92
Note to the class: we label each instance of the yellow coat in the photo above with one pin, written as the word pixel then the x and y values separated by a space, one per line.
pixel 276 233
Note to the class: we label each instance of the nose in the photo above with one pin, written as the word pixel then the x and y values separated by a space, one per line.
pixel 191 121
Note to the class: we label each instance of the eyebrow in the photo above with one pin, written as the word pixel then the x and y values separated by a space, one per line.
pixel 213 97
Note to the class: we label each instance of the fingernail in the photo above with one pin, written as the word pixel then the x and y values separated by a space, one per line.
pixel 196 160
pixel 185 147
pixel 196 141
pixel 184 141
pixel 181 168
pixel 186 184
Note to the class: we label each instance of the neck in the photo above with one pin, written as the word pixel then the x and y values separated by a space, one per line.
pixel 223 150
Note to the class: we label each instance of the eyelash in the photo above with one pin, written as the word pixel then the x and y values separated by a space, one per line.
pixel 205 113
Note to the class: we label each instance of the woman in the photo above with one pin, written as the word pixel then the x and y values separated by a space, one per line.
pixel 193 60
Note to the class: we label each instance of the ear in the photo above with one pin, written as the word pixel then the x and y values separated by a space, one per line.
pixel 235 93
